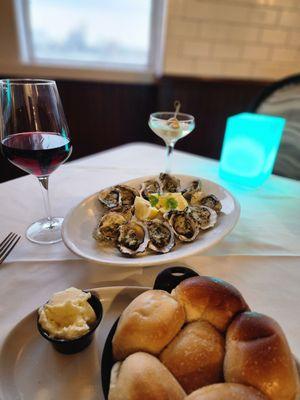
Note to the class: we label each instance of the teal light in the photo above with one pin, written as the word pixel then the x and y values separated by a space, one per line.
pixel 250 147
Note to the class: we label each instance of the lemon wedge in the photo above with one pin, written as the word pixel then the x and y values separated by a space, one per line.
pixel 143 209
pixel 170 201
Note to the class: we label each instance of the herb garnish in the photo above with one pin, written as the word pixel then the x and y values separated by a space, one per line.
pixel 171 203
pixel 153 200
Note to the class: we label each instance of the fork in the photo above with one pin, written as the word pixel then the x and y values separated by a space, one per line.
pixel 7 245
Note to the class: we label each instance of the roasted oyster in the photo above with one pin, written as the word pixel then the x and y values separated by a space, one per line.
pixel 184 226
pixel 133 238
pixel 169 183
pixel 128 195
pixel 110 197
pixel 118 197
pixel 161 236
pixel 196 198
pixel 204 217
pixel 211 201
pixel 191 190
pixel 149 187
pixel 108 226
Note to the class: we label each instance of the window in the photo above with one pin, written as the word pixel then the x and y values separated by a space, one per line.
pixel 118 33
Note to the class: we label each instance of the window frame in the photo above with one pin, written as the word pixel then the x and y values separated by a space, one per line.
pixel 155 55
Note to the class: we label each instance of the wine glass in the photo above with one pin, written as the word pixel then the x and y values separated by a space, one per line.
pixel 171 126
pixel 35 138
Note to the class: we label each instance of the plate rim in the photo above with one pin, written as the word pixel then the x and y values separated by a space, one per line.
pixel 139 261
pixel 133 289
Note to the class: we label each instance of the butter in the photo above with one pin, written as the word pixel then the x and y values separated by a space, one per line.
pixel 67 314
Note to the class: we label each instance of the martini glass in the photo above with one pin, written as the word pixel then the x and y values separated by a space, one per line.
pixel 171 126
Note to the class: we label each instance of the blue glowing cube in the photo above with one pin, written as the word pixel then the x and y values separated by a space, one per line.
pixel 250 147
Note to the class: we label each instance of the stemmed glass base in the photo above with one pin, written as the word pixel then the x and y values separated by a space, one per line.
pixel 169 156
pixel 45 231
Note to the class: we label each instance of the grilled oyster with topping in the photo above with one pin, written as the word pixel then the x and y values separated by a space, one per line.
pixel 108 226
pixel 191 190
pixel 128 195
pixel 211 201
pixel 196 198
pixel 184 226
pixel 204 217
pixel 118 197
pixel 110 198
pixel 149 187
pixel 169 183
pixel 133 238
pixel 161 236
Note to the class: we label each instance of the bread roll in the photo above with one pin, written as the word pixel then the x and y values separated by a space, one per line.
pixel 257 354
pixel 148 324
pixel 226 391
pixel 143 377
pixel 211 299
pixel 195 356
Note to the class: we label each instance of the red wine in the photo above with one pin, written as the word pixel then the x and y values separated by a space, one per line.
pixel 38 153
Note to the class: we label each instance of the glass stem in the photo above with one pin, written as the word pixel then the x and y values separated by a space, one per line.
pixel 44 181
pixel 170 148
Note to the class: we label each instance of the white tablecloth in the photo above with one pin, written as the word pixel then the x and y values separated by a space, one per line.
pixel 261 256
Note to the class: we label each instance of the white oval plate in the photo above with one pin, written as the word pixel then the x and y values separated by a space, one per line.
pixel 80 222
pixel 30 369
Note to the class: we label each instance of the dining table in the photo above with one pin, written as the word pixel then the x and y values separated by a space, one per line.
pixel 261 256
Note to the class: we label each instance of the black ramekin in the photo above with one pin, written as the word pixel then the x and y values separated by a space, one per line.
pixel 75 345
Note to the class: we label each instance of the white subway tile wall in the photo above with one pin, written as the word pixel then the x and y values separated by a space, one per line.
pixel 252 39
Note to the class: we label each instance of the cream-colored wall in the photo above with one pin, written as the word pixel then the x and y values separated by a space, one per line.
pixel 252 39
pixel 256 39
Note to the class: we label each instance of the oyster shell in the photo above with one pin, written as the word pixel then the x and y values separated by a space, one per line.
pixel 204 217
pixel 148 187
pixel 108 226
pixel 196 198
pixel 161 236
pixel 184 226
pixel 110 197
pixel 211 201
pixel 118 197
pixel 128 195
pixel 133 238
pixel 169 183
pixel 192 189
pixel 127 212
pixel 167 215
